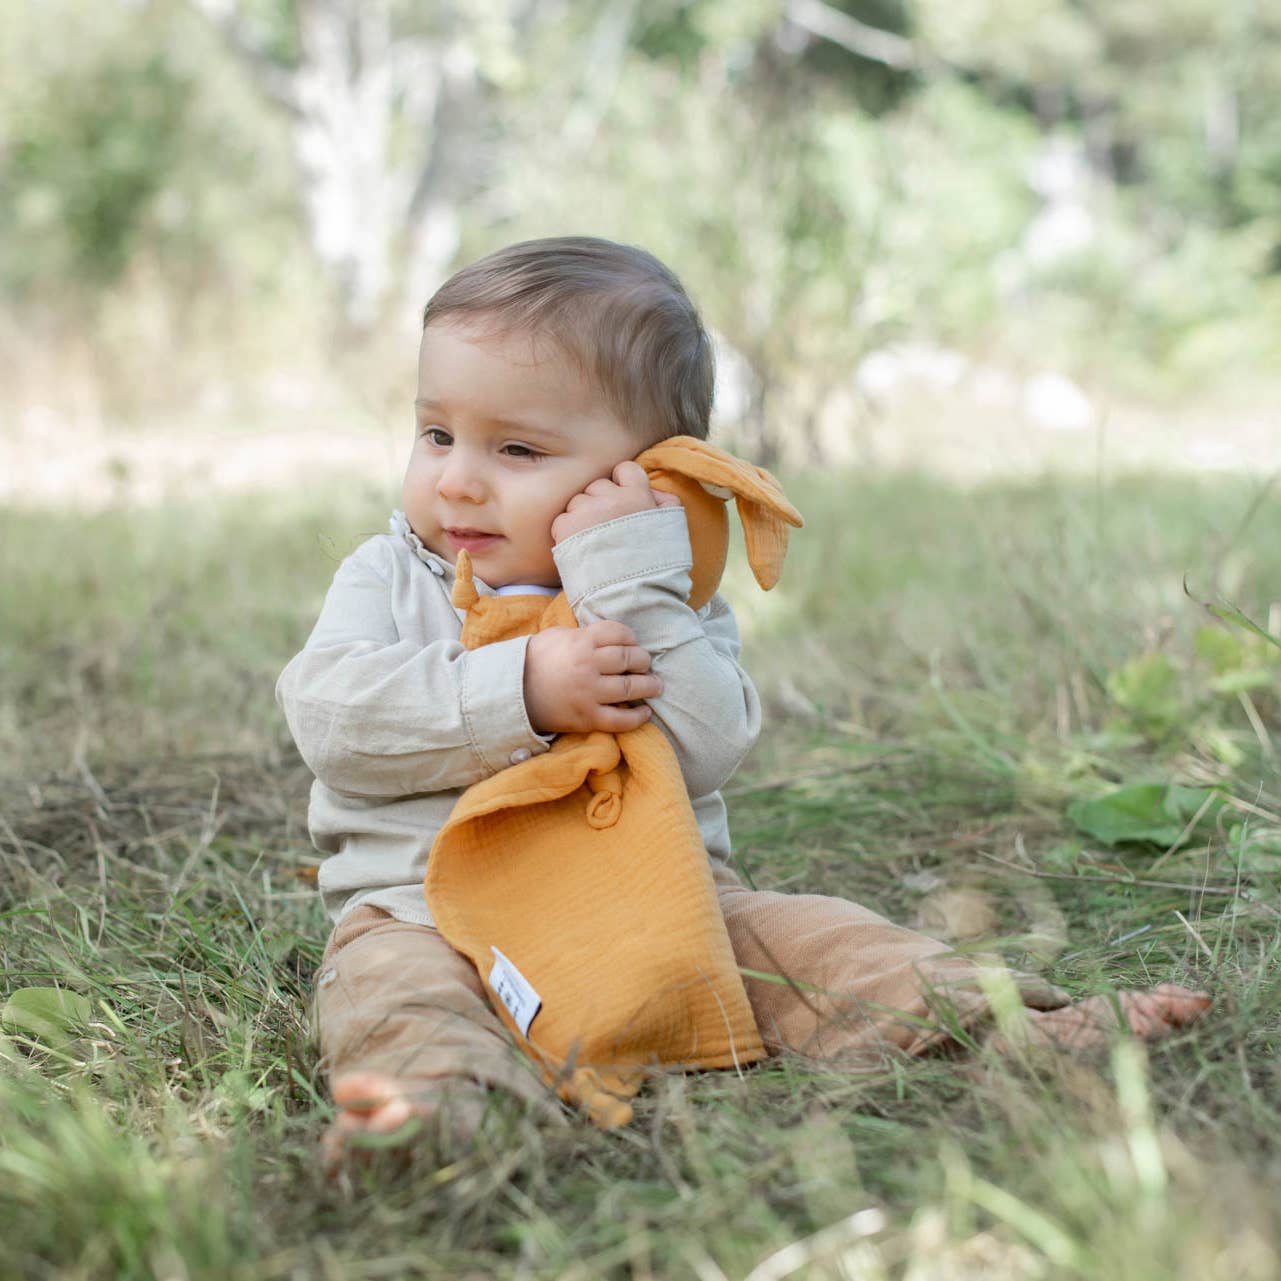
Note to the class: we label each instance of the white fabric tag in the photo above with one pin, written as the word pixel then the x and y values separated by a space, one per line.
pixel 514 991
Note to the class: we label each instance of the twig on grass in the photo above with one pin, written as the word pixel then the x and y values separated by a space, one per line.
pixel 1196 934
pixel 1256 724
pixel 1190 827
pixel 1113 880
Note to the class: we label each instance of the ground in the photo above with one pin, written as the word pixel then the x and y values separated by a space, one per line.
pixel 949 672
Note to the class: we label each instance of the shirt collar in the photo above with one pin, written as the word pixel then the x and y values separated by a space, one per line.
pixel 399 527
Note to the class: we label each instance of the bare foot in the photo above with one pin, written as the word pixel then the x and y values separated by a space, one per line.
pixel 373 1106
pixel 1090 1023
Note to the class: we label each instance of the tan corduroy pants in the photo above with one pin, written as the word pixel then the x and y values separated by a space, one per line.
pixel 838 983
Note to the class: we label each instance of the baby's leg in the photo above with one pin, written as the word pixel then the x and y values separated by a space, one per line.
pixel 406 1032
pixel 856 987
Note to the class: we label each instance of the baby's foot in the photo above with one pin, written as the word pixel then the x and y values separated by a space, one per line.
pixel 409 1114
pixel 1088 1024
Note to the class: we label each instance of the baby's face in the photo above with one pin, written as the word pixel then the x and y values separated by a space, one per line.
pixel 507 432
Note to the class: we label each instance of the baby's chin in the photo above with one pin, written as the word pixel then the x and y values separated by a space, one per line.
pixel 497 570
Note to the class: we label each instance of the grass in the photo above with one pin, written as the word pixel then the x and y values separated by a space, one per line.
pixel 944 672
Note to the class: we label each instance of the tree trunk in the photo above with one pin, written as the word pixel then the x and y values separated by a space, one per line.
pixel 343 87
pixel 363 102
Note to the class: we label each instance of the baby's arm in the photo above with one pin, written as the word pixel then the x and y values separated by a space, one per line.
pixel 377 714
pixel 634 569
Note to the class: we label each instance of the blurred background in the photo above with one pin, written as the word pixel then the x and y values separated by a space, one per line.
pixel 969 236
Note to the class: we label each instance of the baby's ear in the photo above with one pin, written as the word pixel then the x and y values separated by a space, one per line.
pixel 762 506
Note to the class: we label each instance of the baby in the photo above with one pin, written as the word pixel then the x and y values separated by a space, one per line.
pixel 544 369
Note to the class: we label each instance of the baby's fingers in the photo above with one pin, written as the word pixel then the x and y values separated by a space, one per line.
pixel 607 632
pixel 627 688
pixel 613 660
pixel 630 473
pixel 618 720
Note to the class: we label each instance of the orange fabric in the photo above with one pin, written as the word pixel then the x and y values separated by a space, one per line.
pixel 584 866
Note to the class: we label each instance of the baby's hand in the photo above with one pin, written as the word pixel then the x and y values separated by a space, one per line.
pixel 604 500
pixel 576 677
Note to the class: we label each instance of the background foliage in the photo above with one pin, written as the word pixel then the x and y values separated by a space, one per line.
pixel 237 185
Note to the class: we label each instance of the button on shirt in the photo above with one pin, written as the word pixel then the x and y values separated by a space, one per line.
pixel 396 719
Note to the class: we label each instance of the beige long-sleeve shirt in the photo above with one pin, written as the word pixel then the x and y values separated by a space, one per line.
pixel 396 719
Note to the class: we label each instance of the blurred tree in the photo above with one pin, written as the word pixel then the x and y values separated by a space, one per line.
pixel 145 204
pixel 1174 100
pixel 731 142
pixel 388 103
pixel 89 142
pixel 401 112
pixel 707 141
pixel 825 173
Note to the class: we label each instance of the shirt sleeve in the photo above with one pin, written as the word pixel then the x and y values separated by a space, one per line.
pixel 378 715
pixel 636 570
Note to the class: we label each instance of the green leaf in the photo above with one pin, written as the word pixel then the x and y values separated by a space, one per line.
pixel 1239 664
pixel 1258 851
pixel 1230 613
pixel 1223 651
pixel 1220 743
pixel 1154 813
pixel 1242 680
pixel 47 1014
pixel 1182 803
pixel 1148 688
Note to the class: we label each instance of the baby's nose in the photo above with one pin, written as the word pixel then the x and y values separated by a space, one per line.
pixel 461 478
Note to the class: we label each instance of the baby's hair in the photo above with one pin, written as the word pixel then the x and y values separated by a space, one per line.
pixel 621 316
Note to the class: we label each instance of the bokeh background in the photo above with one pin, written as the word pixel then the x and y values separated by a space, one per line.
pixel 955 234
pixel 996 289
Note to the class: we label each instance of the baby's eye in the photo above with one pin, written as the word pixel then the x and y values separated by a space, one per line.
pixel 521 451
pixel 437 436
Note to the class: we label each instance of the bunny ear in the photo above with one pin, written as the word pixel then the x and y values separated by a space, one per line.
pixel 762 506
pixel 765 536
pixel 766 514
pixel 464 595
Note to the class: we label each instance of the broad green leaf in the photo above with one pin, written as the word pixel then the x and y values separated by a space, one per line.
pixel 1155 813
pixel 1183 803
pixel 1134 813
pixel 48 1014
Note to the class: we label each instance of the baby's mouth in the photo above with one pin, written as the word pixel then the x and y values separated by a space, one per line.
pixel 471 540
